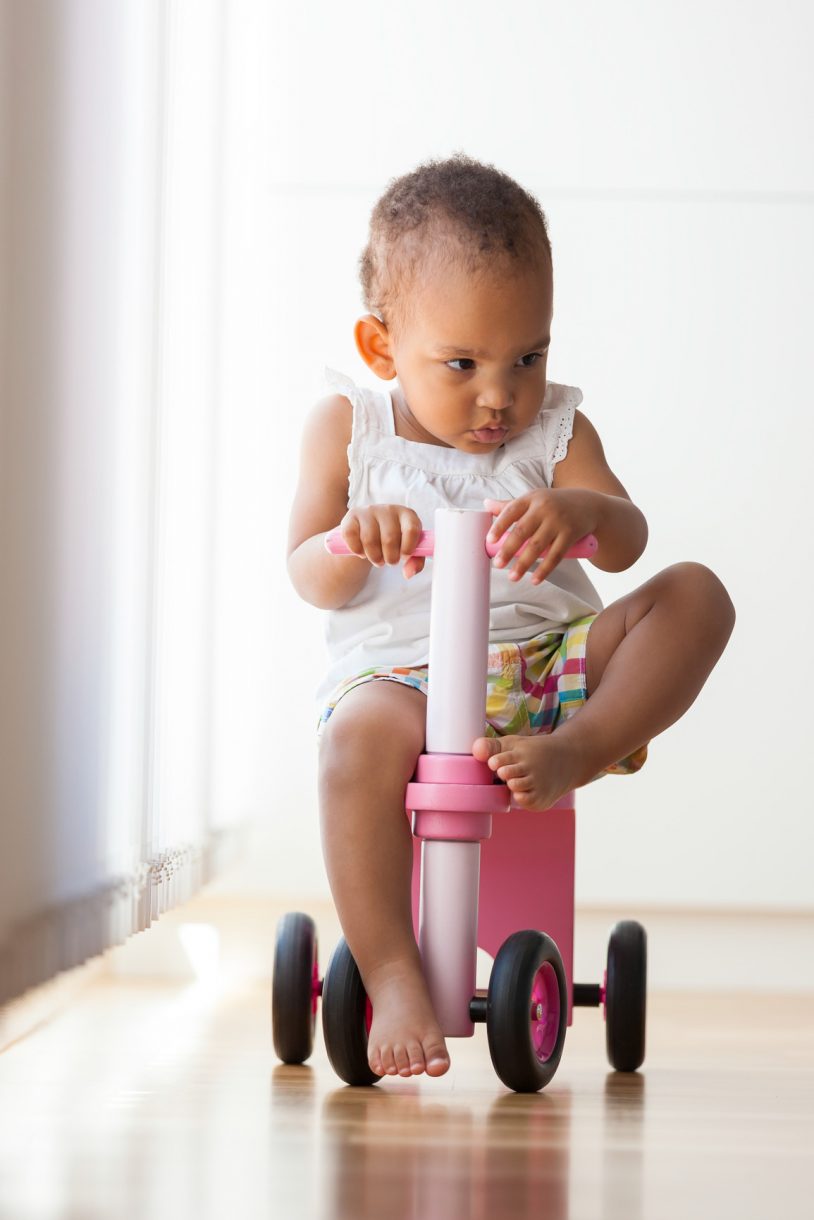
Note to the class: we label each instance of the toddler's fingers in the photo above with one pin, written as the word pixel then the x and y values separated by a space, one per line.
pixel 516 538
pixel 352 537
pixel 391 543
pixel 370 537
pixel 506 527
pixel 413 566
pixel 529 551
pixel 410 531
pixel 497 509
pixel 556 553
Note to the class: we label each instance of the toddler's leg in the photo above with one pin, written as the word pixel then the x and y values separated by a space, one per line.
pixel 648 655
pixel 367 756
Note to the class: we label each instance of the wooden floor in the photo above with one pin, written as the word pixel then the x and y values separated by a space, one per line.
pixel 148 1099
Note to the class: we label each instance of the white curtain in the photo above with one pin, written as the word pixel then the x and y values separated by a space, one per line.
pixel 113 140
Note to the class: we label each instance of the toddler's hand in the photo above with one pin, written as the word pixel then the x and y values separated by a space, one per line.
pixel 384 533
pixel 544 519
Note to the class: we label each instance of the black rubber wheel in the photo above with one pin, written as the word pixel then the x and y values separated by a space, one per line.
pixel 344 1018
pixel 527 1011
pixel 626 996
pixel 293 1002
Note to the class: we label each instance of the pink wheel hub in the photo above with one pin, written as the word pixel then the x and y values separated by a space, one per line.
pixel 545 1012
pixel 316 987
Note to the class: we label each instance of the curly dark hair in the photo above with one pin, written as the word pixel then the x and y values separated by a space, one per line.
pixel 457 207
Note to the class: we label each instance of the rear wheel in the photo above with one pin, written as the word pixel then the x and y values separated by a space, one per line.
pixel 346 1015
pixel 527 1011
pixel 626 996
pixel 294 988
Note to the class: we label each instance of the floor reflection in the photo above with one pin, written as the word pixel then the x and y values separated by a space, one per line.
pixel 409 1158
pixel 293 1087
pixel 396 1151
pixel 623 1146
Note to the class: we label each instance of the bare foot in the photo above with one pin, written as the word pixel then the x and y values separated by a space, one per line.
pixel 538 770
pixel 405 1038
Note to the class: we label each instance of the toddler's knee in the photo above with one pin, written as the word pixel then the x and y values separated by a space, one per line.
pixel 342 750
pixel 707 592
pixel 356 747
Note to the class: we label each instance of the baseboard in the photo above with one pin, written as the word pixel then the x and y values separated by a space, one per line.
pixel 701 950
pixel 22 1016
pixel 688 950
pixel 46 960
pixel 738 949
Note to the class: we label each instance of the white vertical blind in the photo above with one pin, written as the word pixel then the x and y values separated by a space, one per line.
pixel 186 391
pixel 112 154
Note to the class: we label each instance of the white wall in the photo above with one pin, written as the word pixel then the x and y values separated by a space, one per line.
pixel 671 146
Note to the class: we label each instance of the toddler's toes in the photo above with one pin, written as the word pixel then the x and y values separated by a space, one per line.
pixel 402 1060
pixel 512 774
pixel 436 1058
pixel 501 764
pixel 388 1062
pixel 416 1057
pixel 520 782
pixel 485 747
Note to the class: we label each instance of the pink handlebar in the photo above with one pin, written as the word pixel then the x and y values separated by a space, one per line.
pixel 583 549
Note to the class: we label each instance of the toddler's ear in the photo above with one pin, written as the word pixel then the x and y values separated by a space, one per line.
pixel 373 344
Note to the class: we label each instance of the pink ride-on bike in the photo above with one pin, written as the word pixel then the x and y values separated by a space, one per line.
pixel 485 875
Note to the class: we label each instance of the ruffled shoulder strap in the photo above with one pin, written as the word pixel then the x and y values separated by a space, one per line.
pixel 372 409
pixel 372 418
pixel 557 420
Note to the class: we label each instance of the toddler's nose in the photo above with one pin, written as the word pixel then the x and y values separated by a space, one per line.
pixel 497 396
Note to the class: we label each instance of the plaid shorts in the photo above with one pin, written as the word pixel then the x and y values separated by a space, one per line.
pixel 530 687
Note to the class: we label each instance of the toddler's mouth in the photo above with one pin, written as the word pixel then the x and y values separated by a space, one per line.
pixel 489 436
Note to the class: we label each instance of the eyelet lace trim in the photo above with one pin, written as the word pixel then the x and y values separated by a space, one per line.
pixel 559 428
pixel 565 428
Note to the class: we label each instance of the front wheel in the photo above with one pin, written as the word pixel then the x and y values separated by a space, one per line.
pixel 346 1018
pixel 527 1011
pixel 626 996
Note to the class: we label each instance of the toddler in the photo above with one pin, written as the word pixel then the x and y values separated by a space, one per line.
pixel 457 281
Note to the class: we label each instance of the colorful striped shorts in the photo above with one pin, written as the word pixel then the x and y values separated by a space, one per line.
pixel 530 687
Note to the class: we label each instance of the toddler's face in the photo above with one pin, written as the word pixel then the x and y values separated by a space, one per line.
pixel 471 356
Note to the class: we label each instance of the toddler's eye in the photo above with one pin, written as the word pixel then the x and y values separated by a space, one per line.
pixel 465 365
pixel 528 361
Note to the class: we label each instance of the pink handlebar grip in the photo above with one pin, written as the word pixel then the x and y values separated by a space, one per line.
pixel 583 549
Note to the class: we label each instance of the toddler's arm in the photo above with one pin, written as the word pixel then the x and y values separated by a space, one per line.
pixel 320 503
pixel 586 498
pixel 620 527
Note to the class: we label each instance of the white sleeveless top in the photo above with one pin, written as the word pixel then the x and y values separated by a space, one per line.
pixel 387 622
